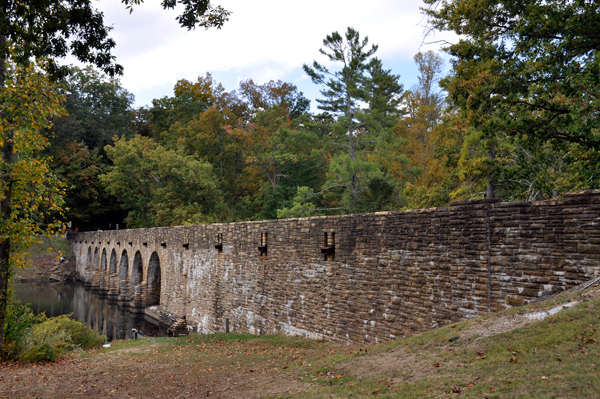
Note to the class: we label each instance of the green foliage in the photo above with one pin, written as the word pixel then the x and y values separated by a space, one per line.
pixel 87 203
pixel 98 108
pixel 526 79
pixel 303 205
pixel 53 337
pixel 273 146
pixel 31 192
pixel 57 28
pixel 19 320
pixel 160 187
pixel 189 101
pixel 525 68
pixel 359 136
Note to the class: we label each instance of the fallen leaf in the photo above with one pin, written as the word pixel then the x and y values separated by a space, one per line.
pixel 436 365
pixel 514 360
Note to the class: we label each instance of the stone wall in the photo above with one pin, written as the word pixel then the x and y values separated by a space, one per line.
pixel 365 277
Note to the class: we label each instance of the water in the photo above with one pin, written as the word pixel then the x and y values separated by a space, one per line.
pixel 104 316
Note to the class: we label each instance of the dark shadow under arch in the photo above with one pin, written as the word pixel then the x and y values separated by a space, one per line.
pixel 153 280
pixel 88 262
pixel 137 270
pixel 103 260
pixel 96 260
pixel 112 269
pixel 124 266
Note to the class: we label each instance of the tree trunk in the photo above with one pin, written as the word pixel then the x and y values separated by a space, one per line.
pixel 5 209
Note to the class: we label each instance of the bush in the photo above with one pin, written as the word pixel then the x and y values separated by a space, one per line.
pixel 19 320
pixel 53 337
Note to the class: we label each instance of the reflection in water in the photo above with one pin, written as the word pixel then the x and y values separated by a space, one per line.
pixel 105 316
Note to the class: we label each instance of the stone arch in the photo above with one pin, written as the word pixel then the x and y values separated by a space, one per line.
pixel 112 269
pixel 96 260
pixel 124 266
pixel 153 279
pixel 103 260
pixel 137 270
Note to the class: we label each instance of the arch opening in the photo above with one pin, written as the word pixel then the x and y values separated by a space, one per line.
pixel 153 279
pixel 96 263
pixel 124 266
pixel 113 263
pixel 103 260
pixel 88 261
pixel 138 269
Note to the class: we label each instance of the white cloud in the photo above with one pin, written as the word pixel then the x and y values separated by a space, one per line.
pixel 264 39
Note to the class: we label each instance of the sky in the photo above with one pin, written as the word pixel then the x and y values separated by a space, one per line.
pixel 263 40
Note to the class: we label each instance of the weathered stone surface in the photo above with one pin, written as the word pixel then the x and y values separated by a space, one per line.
pixel 383 275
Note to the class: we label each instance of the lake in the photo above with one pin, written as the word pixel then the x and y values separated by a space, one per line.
pixel 107 317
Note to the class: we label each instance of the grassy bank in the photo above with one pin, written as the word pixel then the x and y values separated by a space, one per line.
pixel 497 356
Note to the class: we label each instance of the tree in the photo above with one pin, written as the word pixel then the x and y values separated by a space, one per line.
pixel 98 108
pixel 271 138
pixel 53 29
pixel 28 189
pixel 190 100
pixel 160 187
pixel 524 69
pixel 424 105
pixel 274 94
pixel 87 205
pixel 57 28
pixel 357 131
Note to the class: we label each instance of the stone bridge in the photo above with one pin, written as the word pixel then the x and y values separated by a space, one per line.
pixel 366 277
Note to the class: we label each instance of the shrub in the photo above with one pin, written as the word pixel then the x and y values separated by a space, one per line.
pixel 19 320
pixel 53 337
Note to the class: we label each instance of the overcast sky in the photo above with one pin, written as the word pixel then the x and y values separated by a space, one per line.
pixel 263 40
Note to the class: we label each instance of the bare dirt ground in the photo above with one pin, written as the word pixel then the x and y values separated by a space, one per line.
pixel 46 264
pixel 247 368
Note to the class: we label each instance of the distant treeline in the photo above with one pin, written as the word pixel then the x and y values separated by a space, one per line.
pixel 206 155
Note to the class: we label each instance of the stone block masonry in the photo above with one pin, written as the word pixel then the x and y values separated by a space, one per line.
pixel 365 277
